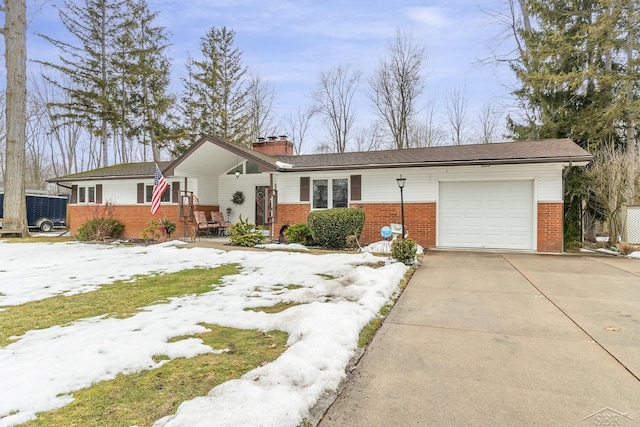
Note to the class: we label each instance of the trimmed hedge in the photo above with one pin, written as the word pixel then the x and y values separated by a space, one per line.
pixel 332 227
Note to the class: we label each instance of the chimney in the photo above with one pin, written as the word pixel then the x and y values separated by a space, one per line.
pixel 274 146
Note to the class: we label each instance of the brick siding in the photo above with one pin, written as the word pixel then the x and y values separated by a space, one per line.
pixel 135 218
pixel 420 219
pixel 550 227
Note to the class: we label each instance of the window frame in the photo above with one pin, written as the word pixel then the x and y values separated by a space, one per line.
pixel 330 202
pixel 148 194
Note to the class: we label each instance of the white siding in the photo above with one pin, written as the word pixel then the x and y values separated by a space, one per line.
pixel 228 184
pixel 379 185
pixel 124 192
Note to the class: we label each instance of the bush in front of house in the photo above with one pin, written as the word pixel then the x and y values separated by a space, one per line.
pixel 404 250
pixel 100 229
pixel 332 227
pixel 244 233
pixel 299 233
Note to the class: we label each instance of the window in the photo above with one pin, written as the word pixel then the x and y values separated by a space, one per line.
pixel 339 193
pixel 166 196
pixel 252 167
pixel 91 194
pixel 320 194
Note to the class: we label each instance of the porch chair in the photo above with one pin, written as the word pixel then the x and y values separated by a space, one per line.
pixel 202 226
pixel 218 219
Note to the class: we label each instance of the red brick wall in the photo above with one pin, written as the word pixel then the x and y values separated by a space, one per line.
pixel 135 218
pixel 419 221
pixel 291 214
pixel 550 227
pixel 419 218
pixel 274 148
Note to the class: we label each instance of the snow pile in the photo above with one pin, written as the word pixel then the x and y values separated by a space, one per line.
pixel 41 368
pixel 635 255
pixel 384 247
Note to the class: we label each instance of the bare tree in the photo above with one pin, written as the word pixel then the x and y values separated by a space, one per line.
pixel 369 138
pixel 489 121
pixel 297 126
pixel 428 132
pixel 260 97
pixel 334 99
pixel 613 180
pixel 457 114
pixel 15 40
pixel 396 84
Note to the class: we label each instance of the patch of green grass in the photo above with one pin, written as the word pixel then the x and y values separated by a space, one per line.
pixel 368 332
pixel 120 299
pixel 276 308
pixel 142 398
pixel 326 276
pixel 292 287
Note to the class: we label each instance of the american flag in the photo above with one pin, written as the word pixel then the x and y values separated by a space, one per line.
pixel 160 185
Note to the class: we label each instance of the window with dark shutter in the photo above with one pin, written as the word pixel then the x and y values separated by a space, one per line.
pixel 99 194
pixel 140 192
pixel 356 187
pixel 304 188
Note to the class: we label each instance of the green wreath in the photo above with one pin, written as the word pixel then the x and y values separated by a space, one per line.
pixel 238 198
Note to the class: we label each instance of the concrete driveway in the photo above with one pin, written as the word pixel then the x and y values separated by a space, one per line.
pixel 504 339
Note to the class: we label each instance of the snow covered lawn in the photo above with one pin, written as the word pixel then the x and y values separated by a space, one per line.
pixel 338 295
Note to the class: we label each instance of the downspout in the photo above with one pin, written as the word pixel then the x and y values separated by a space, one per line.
pixel 565 173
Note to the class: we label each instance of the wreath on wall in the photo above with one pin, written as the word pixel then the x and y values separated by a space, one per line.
pixel 238 198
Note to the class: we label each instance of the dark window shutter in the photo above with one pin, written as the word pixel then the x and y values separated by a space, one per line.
pixel 140 192
pixel 304 188
pixel 175 192
pixel 356 187
pixel 99 193
pixel 74 194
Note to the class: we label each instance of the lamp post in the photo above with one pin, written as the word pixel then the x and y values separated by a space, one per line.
pixel 401 181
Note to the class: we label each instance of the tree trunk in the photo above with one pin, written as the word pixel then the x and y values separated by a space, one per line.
pixel 16 110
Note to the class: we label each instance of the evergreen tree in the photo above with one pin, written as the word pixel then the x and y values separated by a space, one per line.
pixel 88 66
pixel 146 103
pixel 579 71
pixel 215 92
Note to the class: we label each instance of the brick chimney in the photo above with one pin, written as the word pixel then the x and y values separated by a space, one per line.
pixel 274 146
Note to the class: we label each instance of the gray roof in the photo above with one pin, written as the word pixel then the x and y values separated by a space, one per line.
pixel 544 151
pixel 123 170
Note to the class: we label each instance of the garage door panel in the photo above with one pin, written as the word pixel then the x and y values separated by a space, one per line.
pixel 486 214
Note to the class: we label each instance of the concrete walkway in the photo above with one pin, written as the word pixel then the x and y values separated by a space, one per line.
pixel 488 339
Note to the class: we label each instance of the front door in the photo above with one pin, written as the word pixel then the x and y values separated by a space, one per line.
pixel 261 204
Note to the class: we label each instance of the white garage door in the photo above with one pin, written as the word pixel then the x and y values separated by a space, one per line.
pixel 486 214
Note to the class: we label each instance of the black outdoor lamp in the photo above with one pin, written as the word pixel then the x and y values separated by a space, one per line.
pixel 401 181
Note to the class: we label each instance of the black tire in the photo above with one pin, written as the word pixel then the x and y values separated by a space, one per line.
pixel 46 226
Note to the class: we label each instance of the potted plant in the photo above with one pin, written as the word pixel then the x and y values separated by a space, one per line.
pixel 167 226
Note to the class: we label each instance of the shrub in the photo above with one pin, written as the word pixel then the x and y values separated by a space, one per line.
pixel 100 229
pixel 151 231
pixel 299 233
pixel 332 227
pixel 404 250
pixel 243 233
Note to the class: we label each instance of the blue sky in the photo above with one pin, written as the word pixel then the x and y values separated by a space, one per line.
pixel 290 42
